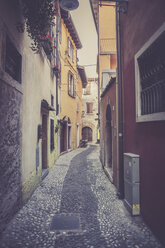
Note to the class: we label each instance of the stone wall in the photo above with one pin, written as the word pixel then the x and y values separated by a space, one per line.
pixel 10 152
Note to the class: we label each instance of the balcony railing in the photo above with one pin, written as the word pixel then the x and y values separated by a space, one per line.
pixel 107 45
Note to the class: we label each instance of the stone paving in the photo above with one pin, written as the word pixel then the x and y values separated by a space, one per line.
pixel 77 186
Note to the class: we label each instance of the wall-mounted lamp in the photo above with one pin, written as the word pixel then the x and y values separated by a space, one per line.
pixel 120 4
pixel 69 4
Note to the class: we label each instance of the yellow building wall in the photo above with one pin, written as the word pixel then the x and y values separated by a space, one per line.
pixel 107 36
pixel 79 107
pixel 68 103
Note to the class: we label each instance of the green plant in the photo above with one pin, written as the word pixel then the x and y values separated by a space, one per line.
pixel 39 17
pixel 57 127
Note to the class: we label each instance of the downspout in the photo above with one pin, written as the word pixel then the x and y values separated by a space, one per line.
pixel 99 105
pixel 120 109
pixel 57 45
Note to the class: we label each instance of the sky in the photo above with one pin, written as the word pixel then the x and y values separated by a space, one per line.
pixel 84 23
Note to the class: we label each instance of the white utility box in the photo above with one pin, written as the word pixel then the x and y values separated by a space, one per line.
pixel 132 183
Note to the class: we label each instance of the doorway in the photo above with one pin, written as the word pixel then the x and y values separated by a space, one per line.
pixel 108 141
pixel 78 135
pixel 69 137
pixel 87 133
pixel 63 136
pixel 44 142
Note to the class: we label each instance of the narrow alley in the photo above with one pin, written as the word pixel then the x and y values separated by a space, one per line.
pixel 76 207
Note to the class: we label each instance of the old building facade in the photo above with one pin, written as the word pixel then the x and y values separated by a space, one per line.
pixel 140 94
pixel 69 76
pixel 90 111
pixel 105 17
pixel 143 82
pixel 28 110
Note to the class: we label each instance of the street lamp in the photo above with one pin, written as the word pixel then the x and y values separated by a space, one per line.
pixel 69 4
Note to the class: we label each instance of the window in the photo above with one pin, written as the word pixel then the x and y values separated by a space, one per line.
pixel 13 61
pixel 89 108
pixel 150 79
pixel 51 135
pixel 52 100
pixel 71 86
pixel 59 28
pixel 70 50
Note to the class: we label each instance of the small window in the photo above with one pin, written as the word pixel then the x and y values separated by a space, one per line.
pixel 69 47
pixel 51 135
pixel 70 50
pixel 13 61
pixel 71 86
pixel 52 100
pixel 89 108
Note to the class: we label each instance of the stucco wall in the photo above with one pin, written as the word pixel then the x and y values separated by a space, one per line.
pixel 146 139
pixel 38 84
pixel 110 99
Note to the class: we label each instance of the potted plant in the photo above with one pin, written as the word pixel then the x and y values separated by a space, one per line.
pixel 47 44
pixel 56 69
pixel 57 127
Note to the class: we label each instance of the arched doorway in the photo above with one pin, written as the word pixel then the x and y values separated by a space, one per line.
pixel 108 144
pixel 87 133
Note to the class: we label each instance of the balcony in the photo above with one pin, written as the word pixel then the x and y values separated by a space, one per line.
pixel 107 46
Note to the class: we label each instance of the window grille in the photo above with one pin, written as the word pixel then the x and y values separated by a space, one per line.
pixel 152 77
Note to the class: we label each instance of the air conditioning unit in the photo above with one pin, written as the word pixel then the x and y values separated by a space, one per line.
pixel 132 183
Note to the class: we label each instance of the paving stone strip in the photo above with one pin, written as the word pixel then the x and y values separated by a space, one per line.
pixel 76 207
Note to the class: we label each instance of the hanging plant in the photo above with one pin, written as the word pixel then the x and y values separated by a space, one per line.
pixel 47 44
pixel 39 16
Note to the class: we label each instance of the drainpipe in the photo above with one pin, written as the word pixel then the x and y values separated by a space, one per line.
pixel 57 45
pixel 98 66
pixel 120 109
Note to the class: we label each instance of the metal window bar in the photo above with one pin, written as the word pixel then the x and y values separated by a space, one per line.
pixel 152 77
pixel 153 99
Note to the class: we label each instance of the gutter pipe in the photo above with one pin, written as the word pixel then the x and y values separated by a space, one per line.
pixel 120 109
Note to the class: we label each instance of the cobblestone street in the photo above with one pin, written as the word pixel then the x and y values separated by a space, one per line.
pixel 78 188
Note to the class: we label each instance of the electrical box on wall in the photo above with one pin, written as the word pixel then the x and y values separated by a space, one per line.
pixel 132 183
